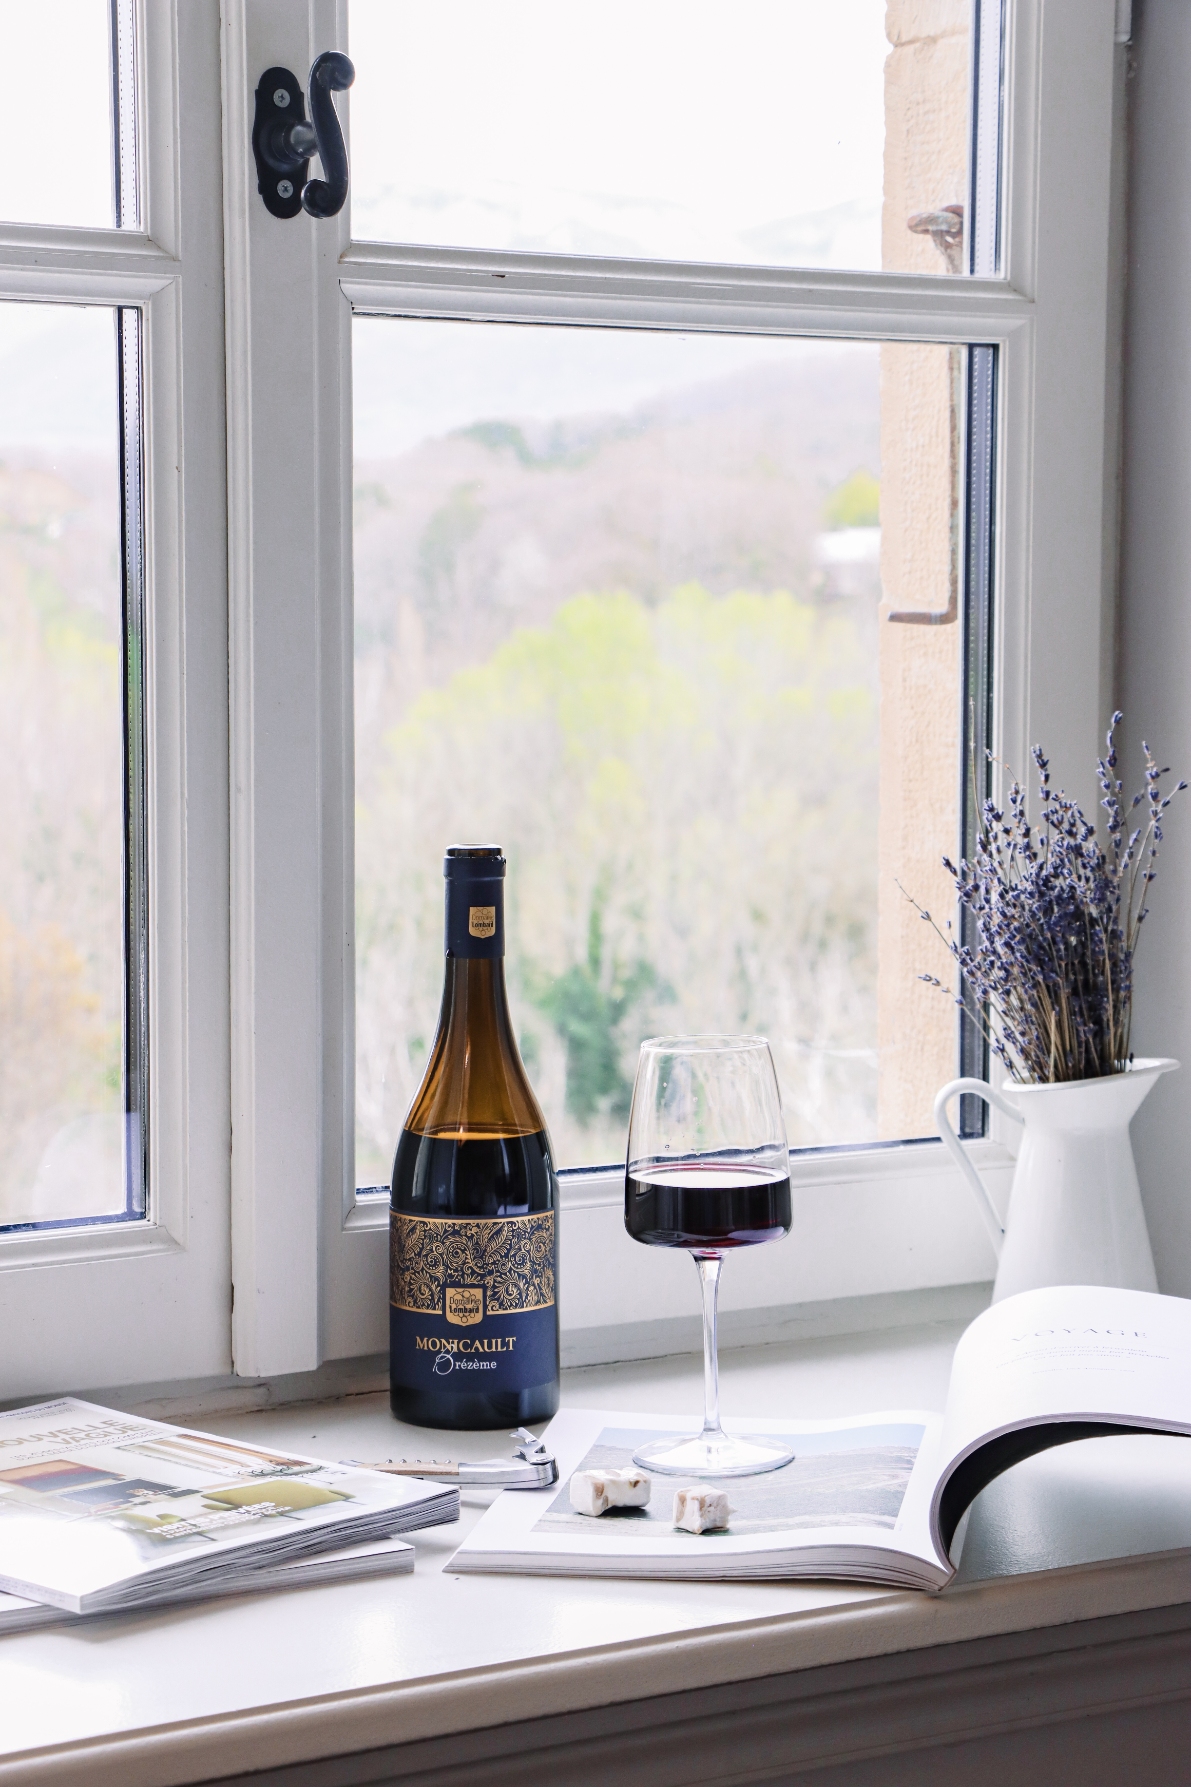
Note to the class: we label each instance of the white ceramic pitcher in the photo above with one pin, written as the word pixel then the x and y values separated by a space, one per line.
pixel 1075 1214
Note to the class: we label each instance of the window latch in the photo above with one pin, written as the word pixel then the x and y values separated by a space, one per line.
pixel 283 141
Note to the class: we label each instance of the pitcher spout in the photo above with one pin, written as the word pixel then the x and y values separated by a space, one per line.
pixel 1097 1104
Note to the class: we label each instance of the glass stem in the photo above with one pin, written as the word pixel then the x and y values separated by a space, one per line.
pixel 709 1279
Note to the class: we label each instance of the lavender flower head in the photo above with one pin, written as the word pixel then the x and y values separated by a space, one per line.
pixel 1057 917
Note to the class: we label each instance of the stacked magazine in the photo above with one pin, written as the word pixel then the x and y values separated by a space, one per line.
pixel 101 1511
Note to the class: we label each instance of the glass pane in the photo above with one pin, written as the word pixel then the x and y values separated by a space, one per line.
pixel 623 605
pixel 780 132
pixel 62 1125
pixel 58 112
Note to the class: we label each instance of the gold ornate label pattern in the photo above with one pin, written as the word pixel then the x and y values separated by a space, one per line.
pixel 466 1270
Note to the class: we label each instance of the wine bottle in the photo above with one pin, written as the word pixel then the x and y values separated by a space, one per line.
pixel 473 1321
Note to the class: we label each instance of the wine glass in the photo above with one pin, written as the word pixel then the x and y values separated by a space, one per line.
pixel 708 1169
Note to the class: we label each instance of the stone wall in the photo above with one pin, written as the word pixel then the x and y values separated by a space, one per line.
pixel 926 140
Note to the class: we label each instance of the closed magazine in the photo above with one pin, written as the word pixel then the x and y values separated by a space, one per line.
pixel 872 1498
pixel 100 1510
pixel 383 1557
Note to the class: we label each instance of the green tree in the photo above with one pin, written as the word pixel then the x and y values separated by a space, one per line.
pixel 854 503
pixel 686 792
pixel 588 1006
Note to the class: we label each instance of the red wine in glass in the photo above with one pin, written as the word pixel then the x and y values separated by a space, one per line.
pixel 707 1170
pixel 706 1205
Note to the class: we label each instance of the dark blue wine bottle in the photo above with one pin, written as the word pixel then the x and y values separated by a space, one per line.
pixel 473 1312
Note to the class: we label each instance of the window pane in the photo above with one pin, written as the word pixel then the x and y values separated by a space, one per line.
pixel 623 606
pixel 779 132
pixel 58 112
pixel 62 1124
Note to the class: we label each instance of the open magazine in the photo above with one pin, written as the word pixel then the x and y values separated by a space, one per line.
pixel 875 1498
pixel 100 1510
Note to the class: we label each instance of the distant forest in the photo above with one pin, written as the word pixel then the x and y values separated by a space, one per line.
pixel 613 645
pixel 61 855
pixel 609 643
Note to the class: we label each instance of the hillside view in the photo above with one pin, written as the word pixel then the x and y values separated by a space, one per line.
pixel 637 648
pixel 61 818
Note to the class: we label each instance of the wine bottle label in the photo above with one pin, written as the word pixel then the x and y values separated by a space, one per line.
pixel 481 921
pixel 472 1301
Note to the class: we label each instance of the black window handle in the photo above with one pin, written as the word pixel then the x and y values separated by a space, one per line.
pixel 283 141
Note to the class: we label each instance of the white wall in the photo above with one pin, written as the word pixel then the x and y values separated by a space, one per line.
pixel 1154 662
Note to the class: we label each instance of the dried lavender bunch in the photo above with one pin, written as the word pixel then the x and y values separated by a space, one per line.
pixel 1057 922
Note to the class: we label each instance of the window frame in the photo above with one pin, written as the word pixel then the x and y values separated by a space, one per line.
pixel 249 698
pixel 883 1218
pixel 149 1299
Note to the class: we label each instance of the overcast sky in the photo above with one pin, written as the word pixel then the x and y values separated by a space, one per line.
pixel 688 128
pixel 656 127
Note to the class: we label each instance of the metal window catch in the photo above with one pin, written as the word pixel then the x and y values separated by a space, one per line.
pixel 945 227
pixel 283 142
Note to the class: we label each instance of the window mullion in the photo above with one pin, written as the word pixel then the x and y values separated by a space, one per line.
pixel 287 447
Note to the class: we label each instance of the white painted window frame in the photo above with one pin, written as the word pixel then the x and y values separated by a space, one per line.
pixel 151 1300
pixel 307 1260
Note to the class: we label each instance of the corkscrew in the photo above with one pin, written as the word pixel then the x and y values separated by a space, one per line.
pixel 530 1467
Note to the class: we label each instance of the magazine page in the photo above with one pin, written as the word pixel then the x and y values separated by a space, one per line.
pixel 102 1509
pixel 854 1503
pixel 1045 1367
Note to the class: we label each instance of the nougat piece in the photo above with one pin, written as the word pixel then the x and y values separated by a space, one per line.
pixel 701 1510
pixel 594 1492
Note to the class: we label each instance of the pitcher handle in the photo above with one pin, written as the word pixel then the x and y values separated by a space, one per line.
pixel 982 1089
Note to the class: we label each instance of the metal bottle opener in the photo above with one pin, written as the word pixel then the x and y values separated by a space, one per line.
pixel 530 1467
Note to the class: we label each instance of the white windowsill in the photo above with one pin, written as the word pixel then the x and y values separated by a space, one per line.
pixel 259 1682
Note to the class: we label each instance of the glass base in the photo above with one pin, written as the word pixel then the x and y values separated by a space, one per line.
pixel 712 1454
